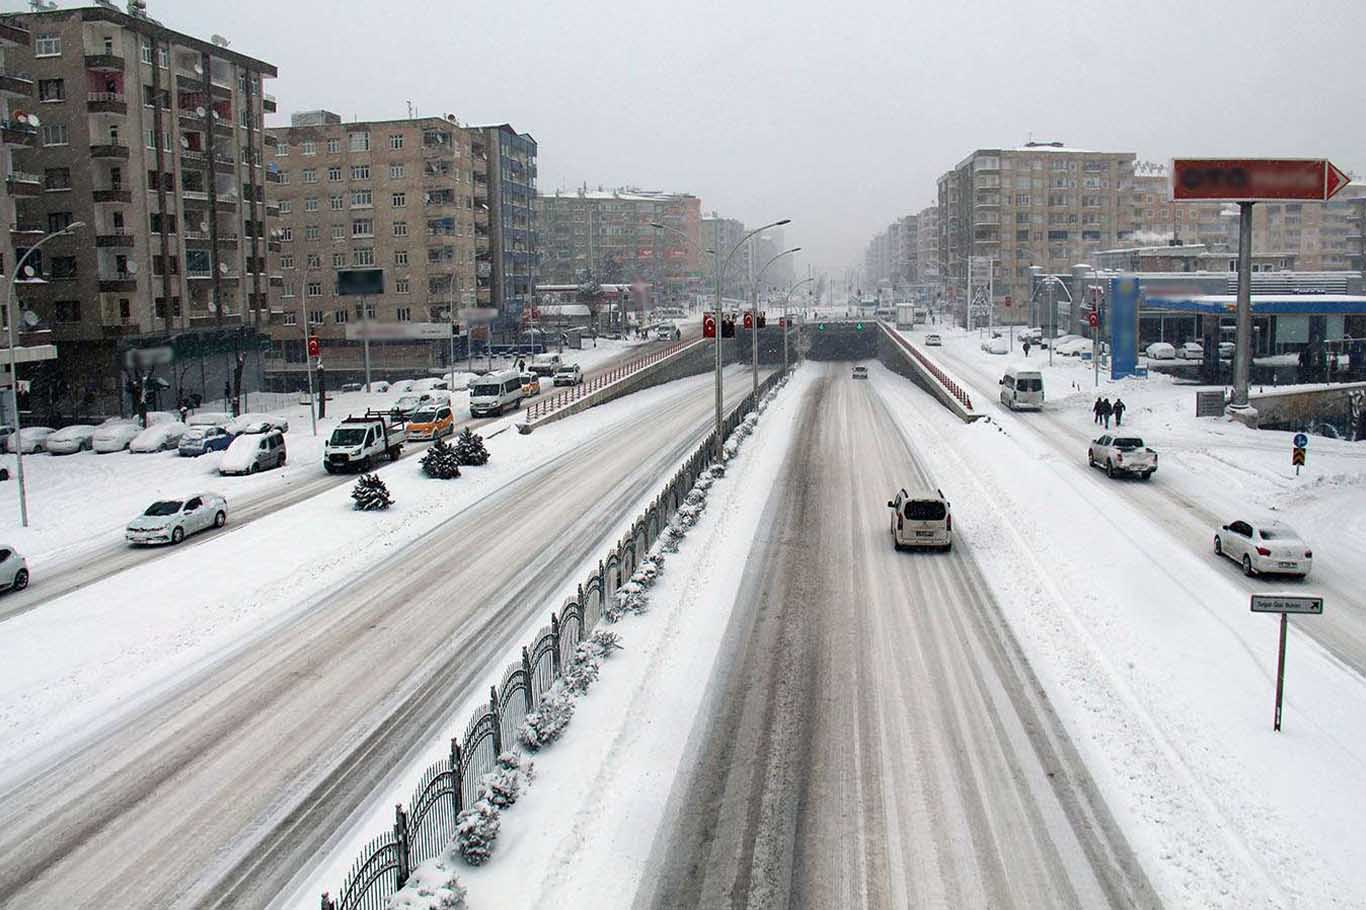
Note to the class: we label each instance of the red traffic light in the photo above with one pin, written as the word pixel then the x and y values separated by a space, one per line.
pixel 1094 320
pixel 749 320
pixel 314 349
pixel 708 326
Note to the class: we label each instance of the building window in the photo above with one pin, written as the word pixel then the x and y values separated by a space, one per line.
pixel 313 261
pixel 51 89
pixel 363 227
pixel 315 289
pixel 338 232
pixel 284 177
pixel 310 204
pixel 338 260
pixel 397 171
pixel 402 286
pixel 286 234
pixel 396 141
pixel 309 147
pixel 310 175
pixel 47 46
pixel 286 206
pixel 282 150
pixel 363 257
pixel 334 174
pixel 399 200
pixel 360 172
pixel 362 199
pixel 400 229
pixel 400 257
pixel 340 316
pixel 312 232
pixel 333 146
pixel 1057 235
pixel 290 318
pixel 67 311
pixel 57 178
pixel 360 142
pixel 58 221
pixel 55 134
pixel 337 202
pixel 287 262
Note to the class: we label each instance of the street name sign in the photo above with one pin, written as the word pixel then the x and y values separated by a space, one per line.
pixel 1255 179
pixel 1286 603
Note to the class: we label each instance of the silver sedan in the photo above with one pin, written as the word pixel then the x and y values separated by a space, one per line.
pixel 172 520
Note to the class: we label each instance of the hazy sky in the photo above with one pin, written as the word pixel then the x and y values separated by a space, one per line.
pixel 840 115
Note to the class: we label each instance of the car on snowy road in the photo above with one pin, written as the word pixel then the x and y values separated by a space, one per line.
pixel 921 518
pixel 531 385
pixel 254 451
pixel 172 520
pixel 13 569
pixel 431 422
pixel 569 374
pixel 1122 455
pixel 860 373
pixel 933 341
pixel 1161 350
pixel 1264 548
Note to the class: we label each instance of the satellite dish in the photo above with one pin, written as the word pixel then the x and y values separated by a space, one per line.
pixel 131 268
pixel 213 307
pixel 215 115
pixel 184 143
pixel 28 271
pixel 223 268
pixel 204 226
pixel 199 112
pixel 31 318
pixel 198 68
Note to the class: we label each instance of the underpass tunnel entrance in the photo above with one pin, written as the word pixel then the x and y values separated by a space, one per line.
pixel 841 340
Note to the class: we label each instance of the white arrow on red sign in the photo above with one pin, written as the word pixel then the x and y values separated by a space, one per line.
pixel 1255 179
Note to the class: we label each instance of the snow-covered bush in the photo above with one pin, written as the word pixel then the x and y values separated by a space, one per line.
pixel 599 645
pixel 469 448
pixel 687 515
pixel 370 494
pixel 670 539
pixel 440 461
pixel 696 497
pixel 717 471
pixel 544 725
pixel 630 598
pixel 475 831
pixel 506 782
pixel 580 675
pixel 430 889
pixel 647 573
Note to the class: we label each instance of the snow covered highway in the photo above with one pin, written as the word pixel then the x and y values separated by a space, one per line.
pixel 212 781
pixel 873 736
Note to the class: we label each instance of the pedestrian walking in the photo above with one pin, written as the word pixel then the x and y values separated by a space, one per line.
pixel 184 410
pixel 1118 408
pixel 1026 347
pixel 1106 409
pixel 1096 410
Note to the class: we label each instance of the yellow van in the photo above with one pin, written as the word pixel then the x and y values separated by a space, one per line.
pixel 431 422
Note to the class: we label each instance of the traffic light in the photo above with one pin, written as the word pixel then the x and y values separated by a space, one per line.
pixel 820 327
pixel 763 320
pixel 313 347
pixel 858 327
pixel 728 327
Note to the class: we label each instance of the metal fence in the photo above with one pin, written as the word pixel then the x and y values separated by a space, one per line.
pixel 426 825
pixel 558 400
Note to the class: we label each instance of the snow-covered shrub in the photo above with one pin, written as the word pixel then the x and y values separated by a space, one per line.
pixel 704 481
pixel 370 494
pixel 516 761
pixel 599 645
pixel 647 573
pixel 670 539
pixel 717 471
pixel 687 515
pixel 580 675
pixel 505 783
pixel 440 461
pixel 544 725
pixel 696 497
pixel 469 448
pixel 475 831
pixel 630 598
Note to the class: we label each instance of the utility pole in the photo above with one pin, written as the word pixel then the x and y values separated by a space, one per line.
pixel 1242 352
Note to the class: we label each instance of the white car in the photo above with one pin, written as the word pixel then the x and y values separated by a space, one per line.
pixel 379 386
pixel 115 437
pixel 933 341
pixel 403 385
pixel 431 384
pixel 1191 350
pixel 921 518
pixel 1122 455
pixel 997 344
pixel 1226 350
pixel 1074 347
pixel 860 373
pixel 70 440
pixel 568 374
pixel 172 520
pixel 240 424
pixel 159 437
pixel 1161 350
pixel 13 569
pixel 209 419
pixel 1264 547
pixel 31 439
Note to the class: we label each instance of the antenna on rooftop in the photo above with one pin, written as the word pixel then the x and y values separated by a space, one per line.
pixel 219 40
pixel 38 6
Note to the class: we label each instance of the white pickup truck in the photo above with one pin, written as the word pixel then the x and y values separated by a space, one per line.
pixel 358 442
pixel 545 364
pixel 1122 455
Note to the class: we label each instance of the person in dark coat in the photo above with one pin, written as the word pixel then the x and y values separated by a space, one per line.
pixel 1106 409
pixel 1118 408
pixel 1096 410
pixel 1026 347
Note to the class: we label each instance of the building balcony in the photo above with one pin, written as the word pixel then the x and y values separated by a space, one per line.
pixel 197 240
pixel 106 103
pixel 21 183
pixel 19 135
pixel 104 63
pixel 191 120
pixel 114 239
pixel 268 103
pixel 16 85
pixel 273 177
pixel 228 239
pixel 115 281
pixel 224 164
pixel 25 234
pixel 194 195
pixel 110 150
pixel 442 150
pixel 11 32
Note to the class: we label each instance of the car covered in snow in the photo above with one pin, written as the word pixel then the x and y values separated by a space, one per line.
pixel 1226 350
pixel 1161 350
pixel 209 418
pixel 568 374
pixel 408 405
pixel 172 520
pixel 996 344
pixel 198 440
pixel 69 440
pixel 401 385
pixel 240 424
pixel 1266 547
pixel 1122 456
pixel 159 437
pixel 1074 347
pixel 252 452
pixel 115 435
pixel 431 384
pixel 1191 350
pixel 29 439
pixel 921 518
pixel 13 569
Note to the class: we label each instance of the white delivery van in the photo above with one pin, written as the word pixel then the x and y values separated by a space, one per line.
pixel 921 518
pixel 494 392
pixel 1022 388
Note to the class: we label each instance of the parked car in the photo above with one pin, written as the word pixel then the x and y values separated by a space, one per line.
pixel 408 404
pixel 13 569
pixel 493 392
pixel 159 437
pixel 353 386
pixel 860 373
pixel 1191 350
pixel 1161 350
pixel 209 418
pixel 996 344
pixel 379 386
pixel 545 364
pixel 933 341
pixel 252 452
pixel 432 422
pixel 172 520
pixel 1074 347
pixel 6 431
pixel 358 442
pixel 921 518
pixel 568 374
pixel 69 440
pixel 1264 548
pixel 241 423
pixel 1059 341
pixel 30 439
pixel 1022 388
pixel 1122 455
pixel 1226 350
pixel 431 384
pixel 402 385
pixel 114 437
pixel 1034 335
pixel 197 440
pixel 531 385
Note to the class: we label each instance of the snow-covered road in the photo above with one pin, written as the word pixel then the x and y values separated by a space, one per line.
pixel 218 788
pixel 875 737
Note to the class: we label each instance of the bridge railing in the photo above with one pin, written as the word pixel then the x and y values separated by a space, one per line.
pixel 554 402
pixel 950 385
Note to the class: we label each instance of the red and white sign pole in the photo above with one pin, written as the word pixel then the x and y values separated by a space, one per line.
pixel 1247 181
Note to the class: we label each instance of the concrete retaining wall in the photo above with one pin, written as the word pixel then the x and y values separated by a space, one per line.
pixel 900 356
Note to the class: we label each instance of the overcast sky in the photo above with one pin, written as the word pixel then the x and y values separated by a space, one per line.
pixel 839 115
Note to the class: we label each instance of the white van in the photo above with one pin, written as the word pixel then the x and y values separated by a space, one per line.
pixel 921 518
pixel 492 392
pixel 1022 388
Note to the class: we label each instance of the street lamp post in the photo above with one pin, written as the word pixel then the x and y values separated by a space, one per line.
pixel 754 313
pixel 14 362
pixel 308 358
pixel 786 298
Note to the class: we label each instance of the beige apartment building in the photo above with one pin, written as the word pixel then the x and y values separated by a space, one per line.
pixel 154 140
pixel 408 197
pixel 927 245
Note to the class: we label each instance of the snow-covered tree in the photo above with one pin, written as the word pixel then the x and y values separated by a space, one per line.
pixel 475 831
pixel 469 448
pixel 506 782
pixel 441 461
pixel 370 494
pixel 544 725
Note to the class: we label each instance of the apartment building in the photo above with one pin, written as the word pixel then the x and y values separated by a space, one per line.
pixel 606 235
pixel 1041 204
pixel 927 245
pixel 403 196
pixel 16 132
pixel 718 233
pixel 952 266
pixel 154 140
pixel 509 243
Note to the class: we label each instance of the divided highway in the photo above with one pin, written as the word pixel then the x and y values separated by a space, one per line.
pixel 876 738
pixel 218 792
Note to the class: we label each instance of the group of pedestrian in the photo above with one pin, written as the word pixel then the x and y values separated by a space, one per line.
pixel 1104 409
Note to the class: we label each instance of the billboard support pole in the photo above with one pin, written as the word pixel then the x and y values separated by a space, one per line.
pixel 1242 352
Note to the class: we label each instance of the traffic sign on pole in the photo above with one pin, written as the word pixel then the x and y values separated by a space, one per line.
pixel 1301 441
pixel 1297 458
pixel 1255 179
pixel 1284 604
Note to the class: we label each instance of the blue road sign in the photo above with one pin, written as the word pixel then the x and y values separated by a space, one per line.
pixel 1301 440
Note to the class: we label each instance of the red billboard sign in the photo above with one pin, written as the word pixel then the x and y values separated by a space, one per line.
pixel 1255 179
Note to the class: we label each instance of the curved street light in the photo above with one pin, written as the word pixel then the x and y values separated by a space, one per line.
pixel 754 310
pixel 70 229
pixel 786 298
